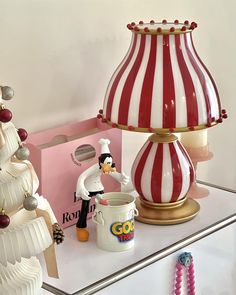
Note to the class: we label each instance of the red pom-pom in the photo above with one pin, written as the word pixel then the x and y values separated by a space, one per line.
pixel 100 111
pixel 176 21
pixel 99 116
pixel 146 29
pixel 220 120
pixel 225 116
pixel 164 21
pixel 150 129
pixel 129 27
pixel 5 115
pixel 22 134
pixel 114 125
pixel 191 128
pixel 172 29
pixel 152 22
pixel 159 30
pixel 186 22
pixel 136 29
pixel 183 29
pixel 193 25
pixel 223 111
pixel 208 124
pixel 133 24
pixel 172 129
pixel 130 128
pixel 141 22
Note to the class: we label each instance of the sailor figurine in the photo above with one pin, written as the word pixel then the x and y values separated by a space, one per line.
pixel 89 184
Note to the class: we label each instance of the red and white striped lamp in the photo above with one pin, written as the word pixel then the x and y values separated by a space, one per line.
pixel 162 86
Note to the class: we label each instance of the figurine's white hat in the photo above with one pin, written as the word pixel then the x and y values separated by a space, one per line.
pixel 104 146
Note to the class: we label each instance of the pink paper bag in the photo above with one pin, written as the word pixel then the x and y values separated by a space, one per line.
pixel 58 163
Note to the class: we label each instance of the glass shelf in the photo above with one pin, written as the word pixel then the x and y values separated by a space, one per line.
pixel 85 269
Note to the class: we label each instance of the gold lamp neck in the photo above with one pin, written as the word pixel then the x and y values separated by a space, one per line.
pixel 163 138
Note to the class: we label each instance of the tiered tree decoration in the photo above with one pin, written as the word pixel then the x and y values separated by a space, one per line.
pixel 27 223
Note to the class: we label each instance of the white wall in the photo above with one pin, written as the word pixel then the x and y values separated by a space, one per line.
pixel 59 55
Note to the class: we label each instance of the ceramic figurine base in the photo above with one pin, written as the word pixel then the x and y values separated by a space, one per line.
pixel 166 213
pixel 197 155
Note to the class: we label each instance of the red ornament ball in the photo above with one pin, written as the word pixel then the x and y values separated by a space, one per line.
pixel 22 134
pixel 4 220
pixel 5 115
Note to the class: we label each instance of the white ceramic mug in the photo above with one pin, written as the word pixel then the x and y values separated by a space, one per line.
pixel 115 221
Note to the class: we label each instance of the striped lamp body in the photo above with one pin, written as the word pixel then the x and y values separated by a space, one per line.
pixel 162 172
pixel 161 83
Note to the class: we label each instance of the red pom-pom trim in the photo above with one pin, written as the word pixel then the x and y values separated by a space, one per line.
pixel 150 129
pixel 193 25
pixel 99 116
pixel 208 124
pixel 159 30
pixel 114 125
pixel 172 29
pixel 130 128
pixel 186 22
pixel 164 21
pixel 225 116
pixel 129 27
pixel 183 29
pixel 152 22
pixel 220 120
pixel 146 29
pixel 191 128
pixel 104 120
pixel 172 129
pixel 100 111
pixel 136 29
pixel 223 111
pixel 141 22
pixel 176 21
pixel 133 24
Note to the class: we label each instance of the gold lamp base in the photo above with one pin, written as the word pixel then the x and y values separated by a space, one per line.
pixel 166 213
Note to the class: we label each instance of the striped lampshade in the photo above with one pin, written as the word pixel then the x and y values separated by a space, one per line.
pixel 162 171
pixel 161 84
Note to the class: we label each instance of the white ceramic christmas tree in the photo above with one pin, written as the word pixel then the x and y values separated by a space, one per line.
pixel 27 223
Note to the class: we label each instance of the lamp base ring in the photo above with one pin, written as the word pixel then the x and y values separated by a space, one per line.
pixel 168 214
